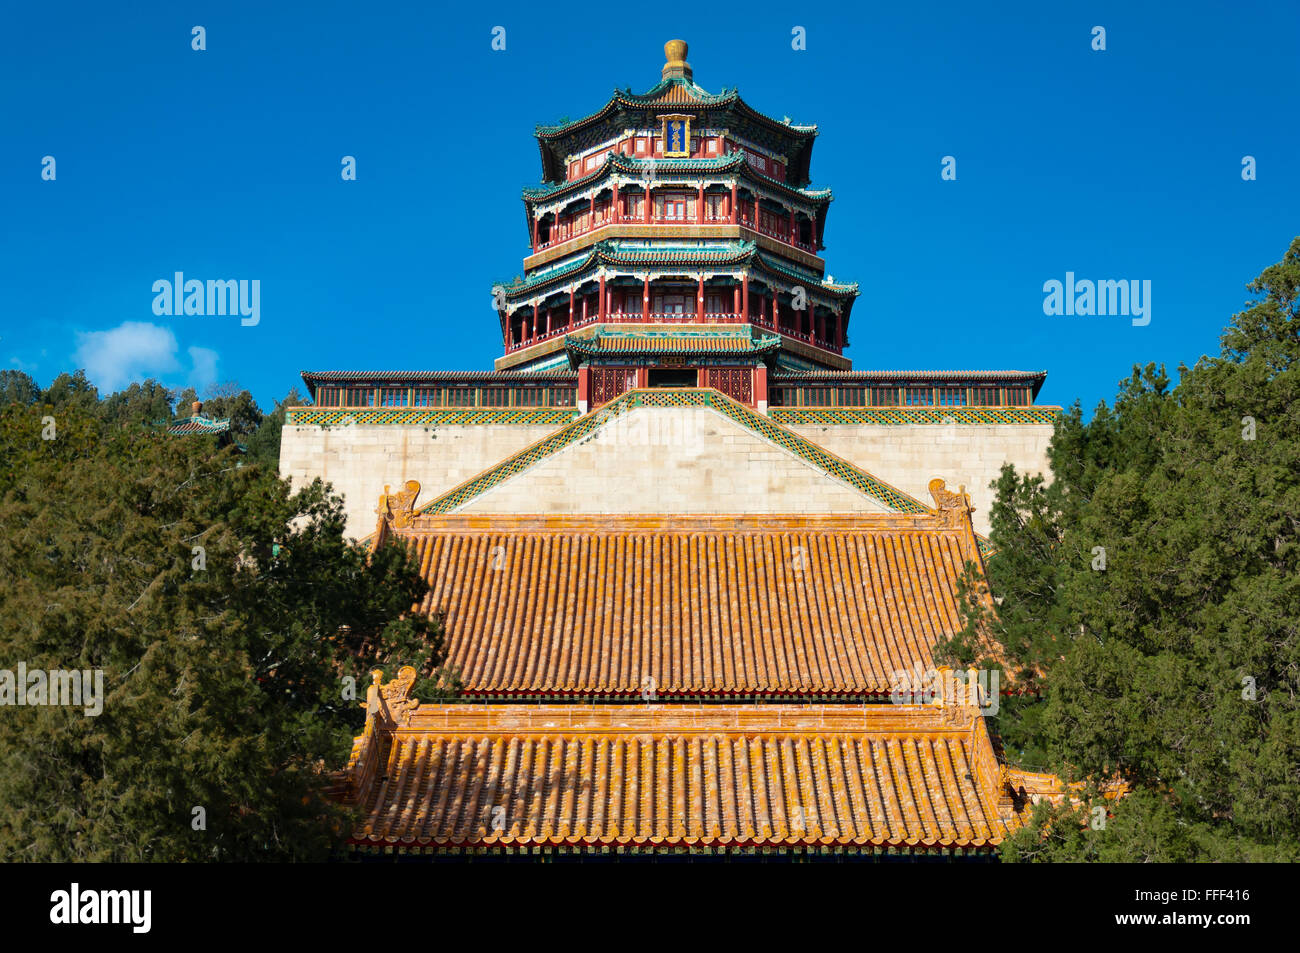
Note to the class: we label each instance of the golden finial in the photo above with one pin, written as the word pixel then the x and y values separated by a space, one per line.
pixel 676 66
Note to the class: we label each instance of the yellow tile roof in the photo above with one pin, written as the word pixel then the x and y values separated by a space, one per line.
pixel 689 606
pixel 655 776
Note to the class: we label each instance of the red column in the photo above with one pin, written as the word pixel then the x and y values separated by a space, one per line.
pixel 794 229
pixel 584 384
pixel 615 213
pixel 592 222
pixel 600 308
pixel 534 234
pixel 735 299
pixel 760 384
pixel 744 298
pixel 646 217
pixel 699 206
pixel 699 300
pixel 776 310
pixel 570 309
pixel 735 217
pixel 645 301
pixel 584 309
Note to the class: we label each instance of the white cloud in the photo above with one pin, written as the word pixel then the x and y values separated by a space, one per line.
pixel 135 350
pixel 205 367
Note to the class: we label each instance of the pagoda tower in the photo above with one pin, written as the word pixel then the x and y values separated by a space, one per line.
pixel 692 567
pixel 675 243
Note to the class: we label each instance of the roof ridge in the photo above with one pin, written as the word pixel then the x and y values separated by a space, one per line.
pixel 811 453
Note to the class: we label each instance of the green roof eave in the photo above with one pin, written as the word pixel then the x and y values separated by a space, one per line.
pixel 678 341
pixel 617 162
pixel 801 135
pixel 734 252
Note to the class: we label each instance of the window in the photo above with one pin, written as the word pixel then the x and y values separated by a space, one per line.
pixel 633 207
pixel 632 302
pixel 713 304
pixel 359 397
pixel 529 397
pixel 817 397
pixel 672 304
pixel 671 208
pixel 714 206
pixel 459 396
pixel 853 396
pixel 1018 396
pixel 952 396
pixel 424 397
pixel 327 397
pixel 985 396
pixel 919 396
pixel 884 396
pixel 495 397
pixel 562 396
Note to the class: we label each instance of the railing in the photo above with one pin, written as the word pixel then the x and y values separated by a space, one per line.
pixel 780 232
pixel 676 317
pixel 555 332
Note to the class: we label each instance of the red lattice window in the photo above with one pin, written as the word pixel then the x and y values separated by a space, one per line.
pixel 735 382
pixel 608 382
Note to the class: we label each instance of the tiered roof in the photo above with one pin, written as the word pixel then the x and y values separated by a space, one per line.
pixel 616 252
pixel 615 163
pixel 676 93
pixel 718 606
pixel 658 777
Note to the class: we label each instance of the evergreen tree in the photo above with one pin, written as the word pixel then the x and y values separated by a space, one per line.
pixel 146 404
pixel 18 387
pixel 227 616
pixel 1162 570
pixel 264 445
pixel 229 400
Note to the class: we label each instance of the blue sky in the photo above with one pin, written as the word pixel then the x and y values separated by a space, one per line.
pixel 1122 164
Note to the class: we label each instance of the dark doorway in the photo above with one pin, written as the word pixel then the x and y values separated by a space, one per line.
pixel 673 377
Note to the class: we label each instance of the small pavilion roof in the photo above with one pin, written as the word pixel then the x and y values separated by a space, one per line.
pixel 185 426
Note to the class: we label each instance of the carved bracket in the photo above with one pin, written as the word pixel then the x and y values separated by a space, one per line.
pixel 954 508
pixel 399 508
pixel 392 702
